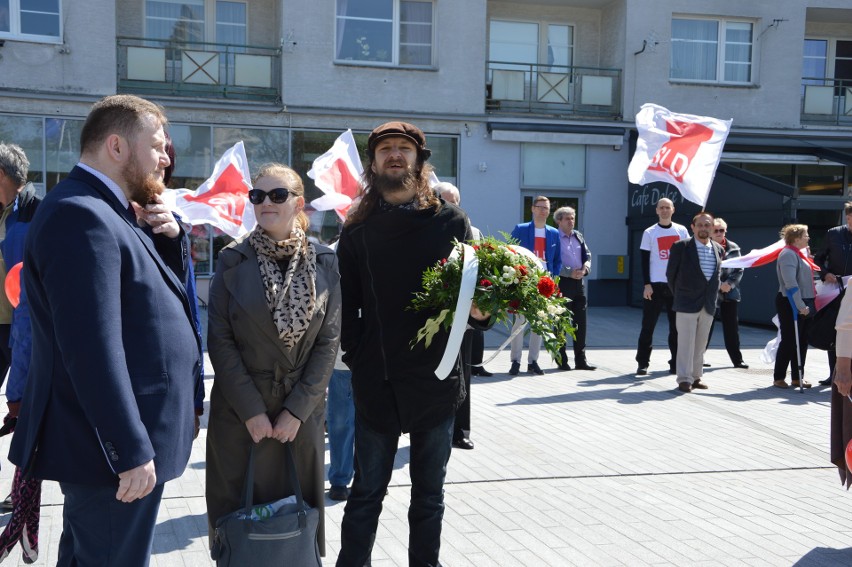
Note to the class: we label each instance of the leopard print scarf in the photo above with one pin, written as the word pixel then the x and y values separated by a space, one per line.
pixel 291 296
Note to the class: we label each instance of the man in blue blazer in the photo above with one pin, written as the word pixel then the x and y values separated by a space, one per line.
pixel 693 277
pixel 108 406
pixel 543 240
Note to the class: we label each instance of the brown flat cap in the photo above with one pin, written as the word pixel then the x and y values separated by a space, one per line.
pixel 402 130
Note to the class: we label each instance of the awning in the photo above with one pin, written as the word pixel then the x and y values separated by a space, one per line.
pixel 556 133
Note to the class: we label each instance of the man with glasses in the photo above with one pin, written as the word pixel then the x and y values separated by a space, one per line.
pixel 543 241
pixel 693 276
pixel 729 295
pixel 656 242
pixel 835 259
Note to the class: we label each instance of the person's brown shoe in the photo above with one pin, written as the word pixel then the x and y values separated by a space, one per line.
pixel 805 384
pixel 780 384
pixel 699 385
pixel 685 387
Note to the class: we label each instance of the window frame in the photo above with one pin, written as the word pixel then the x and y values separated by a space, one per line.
pixel 395 40
pixel 721 52
pixel 15 32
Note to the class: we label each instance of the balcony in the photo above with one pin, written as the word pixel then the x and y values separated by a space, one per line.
pixel 199 69
pixel 583 92
pixel 827 101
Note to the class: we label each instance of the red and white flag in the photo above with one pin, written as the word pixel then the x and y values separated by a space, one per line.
pixel 337 173
pixel 681 149
pixel 759 257
pixel 222 200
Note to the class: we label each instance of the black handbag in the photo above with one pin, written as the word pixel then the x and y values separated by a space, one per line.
pixel 276 533
pixel 822 334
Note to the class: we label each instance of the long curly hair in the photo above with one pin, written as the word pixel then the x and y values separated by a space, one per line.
pixel 424 195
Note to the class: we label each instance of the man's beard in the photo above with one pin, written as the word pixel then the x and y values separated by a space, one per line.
pixel 143 187
pixel 386 185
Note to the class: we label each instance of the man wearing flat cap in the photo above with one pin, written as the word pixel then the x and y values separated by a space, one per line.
pixel 399 229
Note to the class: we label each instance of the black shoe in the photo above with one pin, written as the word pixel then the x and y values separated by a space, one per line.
pixel 534 368
pixel 338 493
pixel 826 382
pixel 642 371
pixel 564 366
pixel 585 366
pixel 705 364
pixel 742 364
pixel 480 371
pixel 515 369
pixel 463 443
pixel 6 505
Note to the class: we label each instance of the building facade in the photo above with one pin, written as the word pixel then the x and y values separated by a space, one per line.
pixel 518 98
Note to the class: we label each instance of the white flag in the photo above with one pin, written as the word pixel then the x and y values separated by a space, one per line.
pixel 681 149
pixel 337 173
pixel 222 200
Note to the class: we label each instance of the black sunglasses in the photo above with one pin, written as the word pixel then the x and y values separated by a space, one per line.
pixel 278 196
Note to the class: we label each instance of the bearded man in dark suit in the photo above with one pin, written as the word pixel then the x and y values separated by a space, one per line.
pixel 108 407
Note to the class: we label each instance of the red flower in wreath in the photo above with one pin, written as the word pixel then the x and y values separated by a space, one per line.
pixel 485 283
pixel 546 286
pixel 513 305
pixel 522 270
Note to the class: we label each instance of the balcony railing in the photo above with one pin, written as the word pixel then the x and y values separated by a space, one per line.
pixel 553 89
pixel 199 69
pixel 827 101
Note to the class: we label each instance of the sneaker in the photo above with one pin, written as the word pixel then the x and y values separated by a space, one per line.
pixel 515 369
pixel 534 368
pixel 642 371
pixel 338 493
pixel 699 385
pixel 684 387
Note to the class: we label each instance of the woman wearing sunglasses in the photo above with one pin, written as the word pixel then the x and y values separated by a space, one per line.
pixel 273 331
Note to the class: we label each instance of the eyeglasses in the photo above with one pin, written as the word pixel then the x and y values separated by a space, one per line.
pixel 278 195
pixel 719 230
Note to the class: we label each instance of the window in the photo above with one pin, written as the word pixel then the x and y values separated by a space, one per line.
pixel 828 59
pixel 389 32
pixel 553 165
pixel 196 20
pixel 531 43
pixel 30 19
pixel 712 50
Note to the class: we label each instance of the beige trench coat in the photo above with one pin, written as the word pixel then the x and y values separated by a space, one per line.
pixel 256 373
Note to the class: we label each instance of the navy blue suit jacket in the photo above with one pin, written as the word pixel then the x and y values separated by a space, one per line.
pixel 524 233
pixel 115 352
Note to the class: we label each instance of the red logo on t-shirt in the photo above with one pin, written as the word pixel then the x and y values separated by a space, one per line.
pixel 540 245
pixel 664 243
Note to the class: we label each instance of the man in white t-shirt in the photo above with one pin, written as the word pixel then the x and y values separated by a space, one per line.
pixel 656 242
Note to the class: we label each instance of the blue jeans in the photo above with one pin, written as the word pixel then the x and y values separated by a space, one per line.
pixel 374 454
pixel 341 428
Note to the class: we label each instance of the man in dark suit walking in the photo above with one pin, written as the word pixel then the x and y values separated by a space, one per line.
pixel 108 407
pixel 693 276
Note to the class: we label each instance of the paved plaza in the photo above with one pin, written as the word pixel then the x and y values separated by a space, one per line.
pixel 597 468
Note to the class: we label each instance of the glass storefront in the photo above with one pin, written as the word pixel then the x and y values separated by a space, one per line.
pixel 53 147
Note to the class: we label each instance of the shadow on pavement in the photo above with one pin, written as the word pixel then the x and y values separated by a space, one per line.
pixel 179 533
pixel 620 395
pixel 825 557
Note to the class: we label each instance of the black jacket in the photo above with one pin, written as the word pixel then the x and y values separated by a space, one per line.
pixel 382 261
pixel 836 255
pixel 692 291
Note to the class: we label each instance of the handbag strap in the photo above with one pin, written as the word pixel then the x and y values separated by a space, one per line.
pixel 248 493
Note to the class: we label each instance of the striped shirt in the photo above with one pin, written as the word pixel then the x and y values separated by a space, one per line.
pixel 706 258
